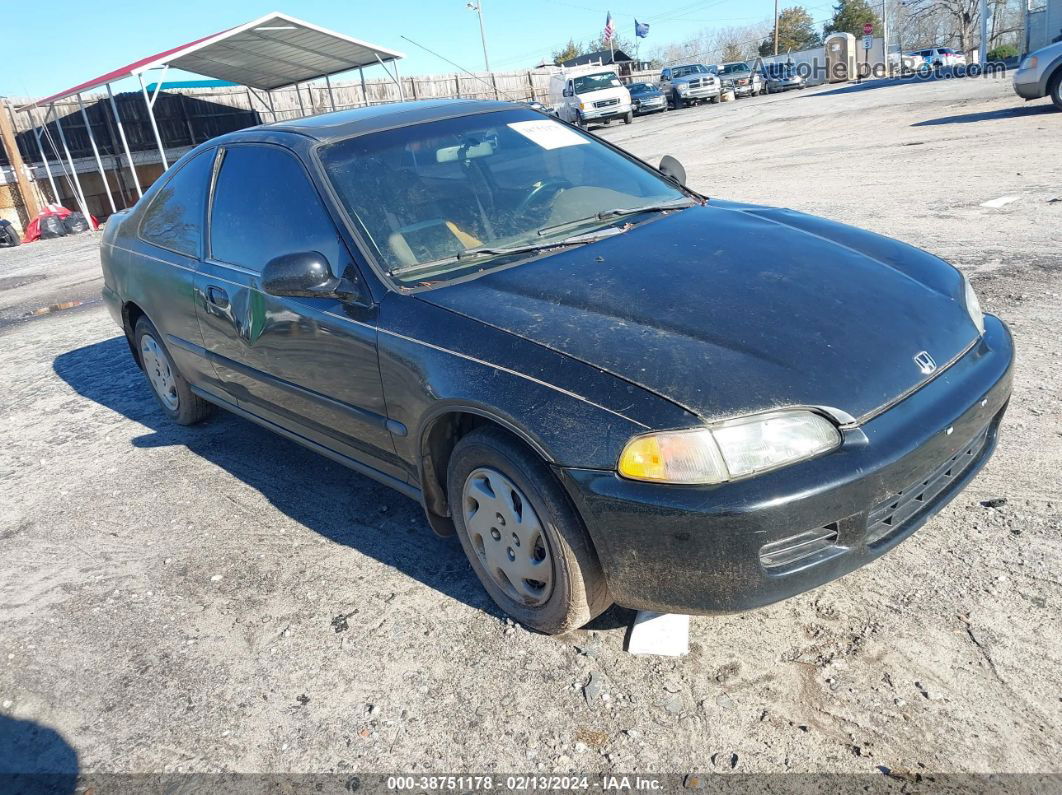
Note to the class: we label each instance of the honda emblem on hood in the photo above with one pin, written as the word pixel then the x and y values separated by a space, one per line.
pixel 925 362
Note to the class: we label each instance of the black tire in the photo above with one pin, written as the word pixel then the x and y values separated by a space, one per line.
pixel 1054 88
pixel 189 408
pixel 580 122
pixel 8 235
pixel 629 117
pixel 579 592
pixel 676 100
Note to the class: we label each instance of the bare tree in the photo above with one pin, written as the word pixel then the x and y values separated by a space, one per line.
pixel 959 17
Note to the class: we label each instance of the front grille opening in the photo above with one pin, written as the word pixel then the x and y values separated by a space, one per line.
pixel 800 549
pixel 887 519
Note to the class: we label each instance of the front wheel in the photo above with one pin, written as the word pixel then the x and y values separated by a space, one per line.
pixel 171 391
pixel 1056 89
pixel 629 117
pixel 525 541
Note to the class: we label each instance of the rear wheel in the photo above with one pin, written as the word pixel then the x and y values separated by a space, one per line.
pixel 171 391
pixel 521 534
pixel 1055 87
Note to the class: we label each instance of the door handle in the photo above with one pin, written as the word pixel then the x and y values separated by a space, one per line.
pixel 218 297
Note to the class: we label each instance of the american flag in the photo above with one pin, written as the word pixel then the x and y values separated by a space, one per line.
pixel 609 28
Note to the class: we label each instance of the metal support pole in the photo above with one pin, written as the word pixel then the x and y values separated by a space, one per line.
pixel 395 78
pixel 96 153
pixel 80 193
pixel 331 97
pixel 44 158
pixel 125 143
pixel 302 108
pixel 154 126
pixel 272 107
pixel 364 93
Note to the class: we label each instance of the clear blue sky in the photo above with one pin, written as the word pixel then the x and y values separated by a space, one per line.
pixel 53 45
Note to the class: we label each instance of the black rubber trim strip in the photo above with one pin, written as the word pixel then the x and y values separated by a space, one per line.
pixel 368 417
pixel 364 469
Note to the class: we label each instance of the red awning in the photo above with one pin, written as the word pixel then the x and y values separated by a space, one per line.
pixel 270 52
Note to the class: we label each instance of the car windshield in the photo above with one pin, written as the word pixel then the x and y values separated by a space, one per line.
pixel 638 88
pixel 588 83
pixel 694 69
pixel 437 200
pixel 735 68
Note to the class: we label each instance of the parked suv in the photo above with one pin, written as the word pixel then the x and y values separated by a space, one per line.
pixel 689 84
pixel 740 77
pixel 1040 75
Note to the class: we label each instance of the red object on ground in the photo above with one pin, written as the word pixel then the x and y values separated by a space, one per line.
pixel 33 228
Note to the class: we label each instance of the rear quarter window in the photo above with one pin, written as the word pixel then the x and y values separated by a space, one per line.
pixel 174 219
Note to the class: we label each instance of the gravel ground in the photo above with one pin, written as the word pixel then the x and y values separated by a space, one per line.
pixel 218 599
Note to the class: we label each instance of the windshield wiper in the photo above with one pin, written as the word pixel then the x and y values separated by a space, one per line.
pixel 491 251
pixel 604 215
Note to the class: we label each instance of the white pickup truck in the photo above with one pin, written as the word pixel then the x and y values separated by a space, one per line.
pixel 689 84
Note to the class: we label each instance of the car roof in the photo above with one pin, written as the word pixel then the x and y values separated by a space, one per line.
pixel 375 118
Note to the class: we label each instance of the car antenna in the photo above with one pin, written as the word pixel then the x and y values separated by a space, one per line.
pixel 493 87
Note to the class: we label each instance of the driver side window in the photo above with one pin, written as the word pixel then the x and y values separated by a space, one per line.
pixel 265 206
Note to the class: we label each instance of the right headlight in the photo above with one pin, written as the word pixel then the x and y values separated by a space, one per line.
pixel 729 450
pixel 973 305
pixel 683 88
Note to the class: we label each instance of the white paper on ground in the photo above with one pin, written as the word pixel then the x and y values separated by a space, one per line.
pixel 548 134
pixel 666 634
pixel 1002 201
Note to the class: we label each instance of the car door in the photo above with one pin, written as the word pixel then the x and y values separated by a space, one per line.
pixel 308 365
pixel 166 246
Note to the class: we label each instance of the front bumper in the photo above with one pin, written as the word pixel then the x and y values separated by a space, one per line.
pixel 1027 84
pixel 701 92
pixel 608 113
pixel 650 106
pixel 745 544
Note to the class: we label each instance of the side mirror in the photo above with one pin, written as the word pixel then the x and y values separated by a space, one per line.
pixel 304 274
pixel 671 168
pixel 566 93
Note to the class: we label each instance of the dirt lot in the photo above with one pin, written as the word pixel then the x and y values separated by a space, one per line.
pixel 216 598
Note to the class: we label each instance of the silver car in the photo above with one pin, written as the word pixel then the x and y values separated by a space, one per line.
pixel 778 77
pixel 1040 74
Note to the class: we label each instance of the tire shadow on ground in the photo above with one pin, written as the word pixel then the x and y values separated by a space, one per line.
pixel 324 496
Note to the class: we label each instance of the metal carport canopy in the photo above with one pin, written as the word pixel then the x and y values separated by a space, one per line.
pixel 273 51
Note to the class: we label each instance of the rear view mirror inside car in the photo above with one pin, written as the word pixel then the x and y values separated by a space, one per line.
pixel 449 154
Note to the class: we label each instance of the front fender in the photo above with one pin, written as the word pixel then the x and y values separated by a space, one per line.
pixel 433 362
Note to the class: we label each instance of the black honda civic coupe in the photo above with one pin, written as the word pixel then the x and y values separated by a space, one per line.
pixel 609 387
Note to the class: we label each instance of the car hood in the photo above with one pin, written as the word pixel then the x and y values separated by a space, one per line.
pixel 729 309
pixel 690 78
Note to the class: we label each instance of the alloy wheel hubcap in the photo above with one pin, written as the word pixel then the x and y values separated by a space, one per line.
pixel 160 374
pixel 507 536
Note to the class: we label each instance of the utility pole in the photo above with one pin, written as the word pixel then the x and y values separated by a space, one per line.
pixel 885 36
pixel 775 27
pixel 7 137
pixel 982 51
pixel 478 8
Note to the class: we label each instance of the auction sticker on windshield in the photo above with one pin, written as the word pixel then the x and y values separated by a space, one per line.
pixel 548 134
